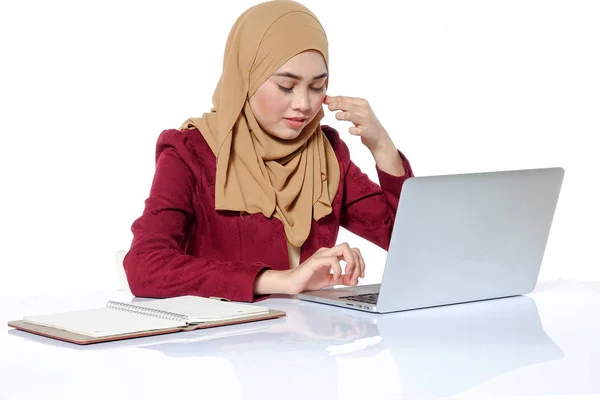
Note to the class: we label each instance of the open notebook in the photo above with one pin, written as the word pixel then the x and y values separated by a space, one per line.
pixel 123 320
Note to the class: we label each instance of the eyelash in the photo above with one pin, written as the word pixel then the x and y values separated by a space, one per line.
pixel 289 90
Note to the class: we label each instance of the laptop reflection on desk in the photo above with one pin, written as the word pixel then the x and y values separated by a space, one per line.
pixel 445 351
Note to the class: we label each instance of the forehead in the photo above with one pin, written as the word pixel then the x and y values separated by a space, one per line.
pixel 306 64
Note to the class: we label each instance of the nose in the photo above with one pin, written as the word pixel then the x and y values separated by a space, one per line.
pixel 301 102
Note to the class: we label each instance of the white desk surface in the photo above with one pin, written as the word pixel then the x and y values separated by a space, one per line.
pixel 544 345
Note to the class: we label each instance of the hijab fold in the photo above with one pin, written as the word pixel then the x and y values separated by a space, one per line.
pixel 293 180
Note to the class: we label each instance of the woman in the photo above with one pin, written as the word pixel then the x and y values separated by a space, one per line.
pixel 247 200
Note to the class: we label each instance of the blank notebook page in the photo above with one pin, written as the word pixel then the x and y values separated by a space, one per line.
pixel 101 322
pixel 202 309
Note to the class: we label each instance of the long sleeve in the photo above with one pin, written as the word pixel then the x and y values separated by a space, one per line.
pixel 368 209
pixel 157 265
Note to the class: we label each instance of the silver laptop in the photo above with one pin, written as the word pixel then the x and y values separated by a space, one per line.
pixel 460 238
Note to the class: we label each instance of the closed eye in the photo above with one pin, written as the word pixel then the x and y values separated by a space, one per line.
pixel 290 90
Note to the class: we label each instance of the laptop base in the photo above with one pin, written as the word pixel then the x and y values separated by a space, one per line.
pixel 338 296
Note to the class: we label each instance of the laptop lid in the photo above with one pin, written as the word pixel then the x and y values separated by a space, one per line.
pixel 468 237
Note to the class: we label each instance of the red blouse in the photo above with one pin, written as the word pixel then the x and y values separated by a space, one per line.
pixel 183 246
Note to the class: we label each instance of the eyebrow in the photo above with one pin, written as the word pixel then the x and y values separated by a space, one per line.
pixel 299 78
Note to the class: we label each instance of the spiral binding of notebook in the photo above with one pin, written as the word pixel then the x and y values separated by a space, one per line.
pixel 115 305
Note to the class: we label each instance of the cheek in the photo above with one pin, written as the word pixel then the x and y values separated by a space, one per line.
pixel 271 103
pixel 317 103
pixel 322 99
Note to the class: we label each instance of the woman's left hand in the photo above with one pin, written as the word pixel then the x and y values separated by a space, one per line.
pixel 359 112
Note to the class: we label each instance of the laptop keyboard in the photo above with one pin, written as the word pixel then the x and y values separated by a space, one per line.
pixel 369 298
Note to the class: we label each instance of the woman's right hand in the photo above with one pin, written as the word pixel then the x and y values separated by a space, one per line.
pixel 321 270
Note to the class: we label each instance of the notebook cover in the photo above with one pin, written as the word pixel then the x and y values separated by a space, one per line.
pixel 76 338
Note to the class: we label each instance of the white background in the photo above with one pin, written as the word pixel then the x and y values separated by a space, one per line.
pixel 462 86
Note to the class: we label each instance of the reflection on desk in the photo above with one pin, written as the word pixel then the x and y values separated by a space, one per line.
pixel 498 347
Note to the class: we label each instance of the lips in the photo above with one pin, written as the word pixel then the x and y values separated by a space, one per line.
pixel 296 122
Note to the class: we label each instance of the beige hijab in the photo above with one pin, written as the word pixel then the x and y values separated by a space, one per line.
pixel 292 180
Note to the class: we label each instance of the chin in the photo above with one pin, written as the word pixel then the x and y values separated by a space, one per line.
pixel 285 133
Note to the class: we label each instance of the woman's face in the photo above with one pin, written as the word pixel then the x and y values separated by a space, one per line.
pixel 285 103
